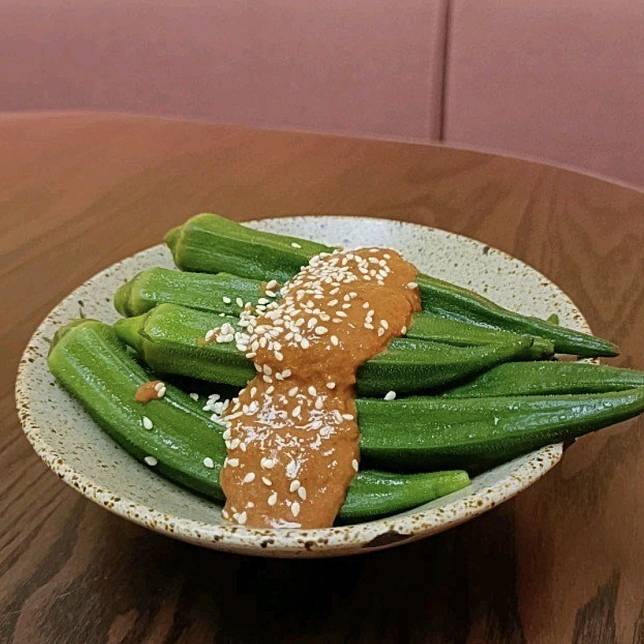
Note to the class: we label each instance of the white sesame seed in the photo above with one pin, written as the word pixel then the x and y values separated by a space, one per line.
pixel 249 478
pixel 390 395
pixel 295 508
pixel 158 385
pixel 330 385
pixel 312 390
pixel 272 499
pixel 226 299
pixel 347 416
pixel 151 461
pixel 267 463
pixel 194 396
pixel 208 462
pixel 354 464
pixel 161 392
pixel 295 245
pixel 412 285
pixel 320 330
pixel 241 517
pixel 293 487
pixel 233 462
pixel 266 481
pixel 147 423
pixel 334 340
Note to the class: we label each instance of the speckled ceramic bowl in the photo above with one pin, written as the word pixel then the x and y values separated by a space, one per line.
pixel 84 457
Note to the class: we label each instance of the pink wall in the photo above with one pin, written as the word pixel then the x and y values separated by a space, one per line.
pixel 562 81
pixel 359 66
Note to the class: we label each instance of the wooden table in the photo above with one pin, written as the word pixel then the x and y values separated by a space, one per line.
pixel 562 562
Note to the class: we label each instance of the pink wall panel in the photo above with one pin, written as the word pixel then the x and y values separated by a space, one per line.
pixel 360 66
pixel 557 80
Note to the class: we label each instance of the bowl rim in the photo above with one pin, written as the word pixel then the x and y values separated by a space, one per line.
pixel 337 540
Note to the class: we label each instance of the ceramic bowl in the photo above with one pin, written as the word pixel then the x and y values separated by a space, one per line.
pixel 74 447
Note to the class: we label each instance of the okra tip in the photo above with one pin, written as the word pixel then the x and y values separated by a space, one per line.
pixel 129 330
pixel 62 331
pixel 172 237
pixel 122 297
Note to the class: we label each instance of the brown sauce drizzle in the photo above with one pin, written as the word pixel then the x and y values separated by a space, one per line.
pixel 291 435
pixel 150 390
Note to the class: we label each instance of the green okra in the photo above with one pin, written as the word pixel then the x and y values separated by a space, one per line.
pixel 89 360
pixel 170 339
pixel 210 243
pixel 553 377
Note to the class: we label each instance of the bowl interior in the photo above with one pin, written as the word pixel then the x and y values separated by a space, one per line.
pixel 86 458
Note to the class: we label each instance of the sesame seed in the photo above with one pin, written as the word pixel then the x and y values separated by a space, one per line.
pixel 158 385
pixel 161 392
pixel 412 285
pixel 293 487
pixel 233 462
pixel 241 517
pixel 295 245
pixel 151 461
pixel 147 423
pixel 272 499
pixel 249 478
pixel 267 463
pixel 354 464
pixel 266 481
pixel 347 416
pixel 390 395
pixel 208 462
pixel 320 330
pixel 194 396
pixel 295 508
pixel 312 390
pixel 334 340
pixel 330 385
pixel 226 299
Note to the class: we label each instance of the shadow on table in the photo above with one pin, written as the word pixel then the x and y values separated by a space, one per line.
pixel 145 586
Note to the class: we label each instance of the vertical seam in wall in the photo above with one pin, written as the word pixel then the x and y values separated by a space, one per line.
pixel 446 44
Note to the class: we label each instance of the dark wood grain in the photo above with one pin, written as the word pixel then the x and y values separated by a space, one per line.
pixel 563 562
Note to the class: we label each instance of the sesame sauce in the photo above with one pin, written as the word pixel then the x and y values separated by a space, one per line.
pixel 150 390
pixel 291 435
